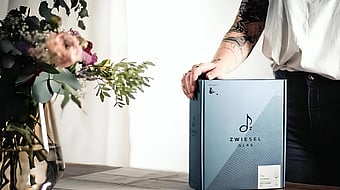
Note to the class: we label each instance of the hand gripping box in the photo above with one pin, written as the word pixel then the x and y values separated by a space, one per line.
pixel 237 134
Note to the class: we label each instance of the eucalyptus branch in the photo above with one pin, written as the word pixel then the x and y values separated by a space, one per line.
pixel 123 78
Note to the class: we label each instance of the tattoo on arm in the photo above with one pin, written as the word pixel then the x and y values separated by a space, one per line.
pixel 248 26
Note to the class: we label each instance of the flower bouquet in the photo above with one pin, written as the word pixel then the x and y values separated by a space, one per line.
pixel 39 60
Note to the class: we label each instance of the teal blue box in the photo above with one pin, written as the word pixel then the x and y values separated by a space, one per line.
pixel 238 134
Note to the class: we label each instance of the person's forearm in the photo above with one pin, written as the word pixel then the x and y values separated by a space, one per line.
pixel 239 41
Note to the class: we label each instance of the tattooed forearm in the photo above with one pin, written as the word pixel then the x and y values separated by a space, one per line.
pixel 250 12
pixel 248 25
pixel 234 49
pixel 239 41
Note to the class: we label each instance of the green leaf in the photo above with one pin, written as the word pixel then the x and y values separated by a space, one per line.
pixel 83 13
pixel 67 77
pixel 106 94
pixel 24 78
pixel 11 127
pixel 81 24
pixel 44 11
pixel 6 61
pixel 149 63
pixel 7 46
pixel 23 9
pixel 69 89
pixel 55 86
pixel 76 100
pixel 74 3
pixel 33 23
pixel 127 100
pixel 105 88
pixel 40 89
pixel 101 95
pixel 83 3
pixel 62 3
pixel 47 68
pixel 131 96
pixel 69 93
pixel 66 99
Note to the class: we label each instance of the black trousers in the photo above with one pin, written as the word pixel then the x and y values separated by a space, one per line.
pixel 313 128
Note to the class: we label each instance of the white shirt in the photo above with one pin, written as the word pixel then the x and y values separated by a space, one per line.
pixel 304 35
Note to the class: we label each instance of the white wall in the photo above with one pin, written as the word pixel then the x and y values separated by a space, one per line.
pixel 177 34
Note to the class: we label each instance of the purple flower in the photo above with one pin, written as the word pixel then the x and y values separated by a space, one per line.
pixel 23 46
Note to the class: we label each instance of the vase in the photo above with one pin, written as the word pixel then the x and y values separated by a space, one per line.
pixel 38 165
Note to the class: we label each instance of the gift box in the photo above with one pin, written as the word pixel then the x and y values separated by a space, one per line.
pixel 237 134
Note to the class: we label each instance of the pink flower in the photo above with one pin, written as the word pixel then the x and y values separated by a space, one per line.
pixel 89 59
pixel 65 48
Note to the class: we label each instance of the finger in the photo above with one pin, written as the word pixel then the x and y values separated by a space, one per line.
pixel 200 69
pixel 192 77
pixel 190 84
pixel 189 79
pixel 185 83
pixel 204 67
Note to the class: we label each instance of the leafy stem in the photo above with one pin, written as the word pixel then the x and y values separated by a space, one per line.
pixel 123 78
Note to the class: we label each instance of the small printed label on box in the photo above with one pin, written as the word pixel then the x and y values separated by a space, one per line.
pixel 269 176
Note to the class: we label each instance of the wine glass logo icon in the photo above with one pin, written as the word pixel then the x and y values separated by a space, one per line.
pixel 212 91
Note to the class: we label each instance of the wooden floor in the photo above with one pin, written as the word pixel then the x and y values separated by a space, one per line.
pixel 94 177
